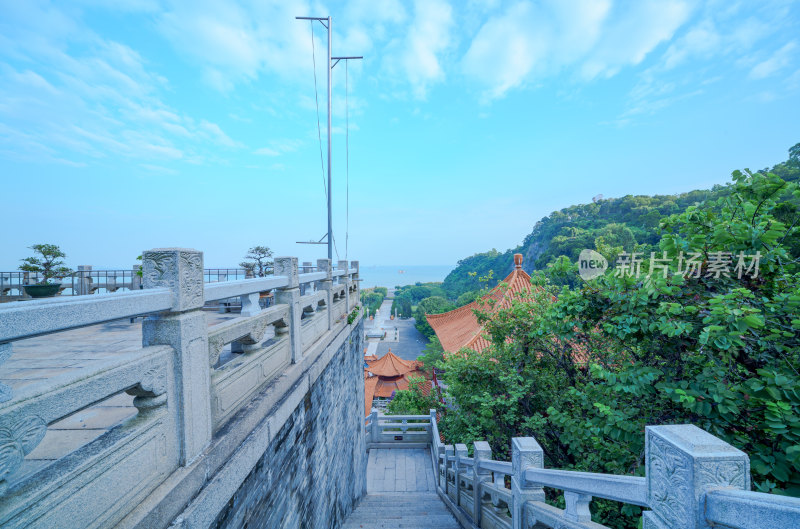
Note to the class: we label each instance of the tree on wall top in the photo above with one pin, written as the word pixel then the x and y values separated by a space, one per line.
pixel 49 262
pixel 257 261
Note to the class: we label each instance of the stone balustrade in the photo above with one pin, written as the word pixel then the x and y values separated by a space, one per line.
pixel 693 480
pixel 87 280
pixel 185 382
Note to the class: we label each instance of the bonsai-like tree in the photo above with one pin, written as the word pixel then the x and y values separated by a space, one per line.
pixel 48 261
pixel 258 261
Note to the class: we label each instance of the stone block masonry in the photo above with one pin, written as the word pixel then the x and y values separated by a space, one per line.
pixel 314 470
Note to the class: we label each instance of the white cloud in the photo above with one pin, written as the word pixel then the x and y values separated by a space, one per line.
pixel 417 56
pixel 428 38
pixel 278 147
pixel 235 42
pixel 69 92
pixel 778 61
pixel 527 42
pixel 266 151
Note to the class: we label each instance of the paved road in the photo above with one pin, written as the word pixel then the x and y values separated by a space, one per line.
pixel 411 342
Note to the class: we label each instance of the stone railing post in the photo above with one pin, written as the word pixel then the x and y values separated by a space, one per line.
pixel 324 265
pixel 525 453
pixel 375 431
pixel 449 450
pixel 480 452
pixel 84 283
pixel 290 295
pixel 439 465
pixel 305 269
pixel 184 328
pixel 345 280
pixel 683 462
pixel 136 279
pixel 458 468
pixel 356 284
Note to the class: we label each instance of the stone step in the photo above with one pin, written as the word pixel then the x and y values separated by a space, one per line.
pixel 401 511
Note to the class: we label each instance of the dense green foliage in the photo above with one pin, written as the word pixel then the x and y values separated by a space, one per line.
pixel 431 305
pixel 413 401
pixel 608 224
pixel 407 297
pixel 719 351
pixel 371 299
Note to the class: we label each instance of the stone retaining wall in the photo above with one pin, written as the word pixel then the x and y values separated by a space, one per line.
pixel 314 469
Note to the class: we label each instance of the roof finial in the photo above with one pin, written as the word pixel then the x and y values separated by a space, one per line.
pixel 517 261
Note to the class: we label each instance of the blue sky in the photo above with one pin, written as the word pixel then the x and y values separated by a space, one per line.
pixel 135 124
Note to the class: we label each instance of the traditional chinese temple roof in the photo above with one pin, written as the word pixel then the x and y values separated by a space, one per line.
pixel 390 365
pixel 460 328
pixel 385 375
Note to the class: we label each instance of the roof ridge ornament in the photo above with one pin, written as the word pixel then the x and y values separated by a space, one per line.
pixel 518 261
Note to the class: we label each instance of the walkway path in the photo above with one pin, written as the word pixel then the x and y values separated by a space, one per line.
pixel 401 493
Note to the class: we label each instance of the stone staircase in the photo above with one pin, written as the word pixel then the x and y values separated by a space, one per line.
pixel 407 510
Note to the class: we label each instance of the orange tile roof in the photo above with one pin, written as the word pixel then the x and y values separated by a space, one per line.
pixel 460 327
pixel 390 365
pixel 369 391
pixel 389 374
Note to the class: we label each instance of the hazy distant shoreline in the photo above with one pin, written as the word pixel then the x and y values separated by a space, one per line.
pixel 390 276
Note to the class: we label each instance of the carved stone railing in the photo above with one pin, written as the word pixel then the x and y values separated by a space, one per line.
pixel 187 380
pixel 405 430
pixel 693 480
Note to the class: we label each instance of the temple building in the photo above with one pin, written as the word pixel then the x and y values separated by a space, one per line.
pixel 460 327
pixel 385 375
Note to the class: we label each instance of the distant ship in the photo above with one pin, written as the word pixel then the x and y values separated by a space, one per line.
pixel 401 271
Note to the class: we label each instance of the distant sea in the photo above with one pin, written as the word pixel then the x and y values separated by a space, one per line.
pixel 399 275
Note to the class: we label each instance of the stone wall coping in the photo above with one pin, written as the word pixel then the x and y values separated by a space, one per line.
pixel 26 319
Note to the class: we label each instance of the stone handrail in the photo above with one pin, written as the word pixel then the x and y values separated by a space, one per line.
pixel 693 480
pixel 186 382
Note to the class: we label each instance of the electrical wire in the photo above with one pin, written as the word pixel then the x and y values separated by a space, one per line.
pixel 316 100
pixel 347 158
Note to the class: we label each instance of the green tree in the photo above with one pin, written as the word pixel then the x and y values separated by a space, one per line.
pixel 258 261
pixel 721 352
pixel 431 305
pixel 413 401
pixel 48 260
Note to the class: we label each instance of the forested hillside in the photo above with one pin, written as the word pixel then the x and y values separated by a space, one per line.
pixel 614 223
pixel 584 366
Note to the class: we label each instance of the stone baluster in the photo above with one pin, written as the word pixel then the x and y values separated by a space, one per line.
pixel 136 279
pixel 525 453
pixel 184 328
pixel 250 307
pixel 290 295
pixel 458 468
pixel 375 430
pixel 480 452
pixel 683 462
pixel 345 280
pixel 324 265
